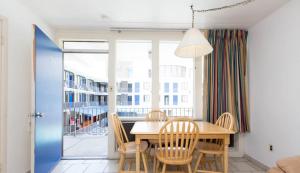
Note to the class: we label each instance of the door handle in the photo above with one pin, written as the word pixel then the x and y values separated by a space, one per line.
pixel 39 115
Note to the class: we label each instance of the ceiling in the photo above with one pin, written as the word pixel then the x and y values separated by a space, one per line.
pixel 103 14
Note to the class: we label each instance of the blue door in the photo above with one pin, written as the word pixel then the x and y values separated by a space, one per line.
pixel 48 103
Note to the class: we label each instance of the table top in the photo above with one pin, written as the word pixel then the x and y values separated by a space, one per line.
pixel 152 128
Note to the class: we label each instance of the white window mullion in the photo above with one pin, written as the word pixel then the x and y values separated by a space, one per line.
pixel 155 74
pixel 112 153
pixel 198 87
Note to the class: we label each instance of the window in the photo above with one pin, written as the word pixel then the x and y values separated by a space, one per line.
pixel 129 100
pixel 137 87
pixel 130 87
pixel 166 100
pixel 133 74
pixel 137 100
pixel 166 87
pixel 175 87
pixel 175 100
pixel 177 72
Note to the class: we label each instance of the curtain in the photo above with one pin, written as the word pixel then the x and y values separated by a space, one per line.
pixel 225 77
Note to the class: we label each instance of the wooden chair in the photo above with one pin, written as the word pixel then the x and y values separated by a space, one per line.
pixel 177 141
pixel 214 147
pixel 124 146
pixel 157 116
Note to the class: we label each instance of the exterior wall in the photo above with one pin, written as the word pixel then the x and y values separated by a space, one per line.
pixel 274 85
pixel 20 22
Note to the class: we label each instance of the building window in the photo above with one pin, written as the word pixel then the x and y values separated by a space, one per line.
pixel 146 98
pixel 130 87
pixel 137 87
pixel 137 100
pixel 166 100
pixel 184 99
pixel 166 87
pixel 129 100
pixel 175 100
pixel 175 87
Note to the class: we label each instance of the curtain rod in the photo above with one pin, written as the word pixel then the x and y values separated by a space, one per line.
pixel 149 29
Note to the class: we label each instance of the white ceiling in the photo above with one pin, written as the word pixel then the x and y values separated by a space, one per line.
pixel 101 14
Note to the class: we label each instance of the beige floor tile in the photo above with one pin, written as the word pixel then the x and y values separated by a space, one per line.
pixel 243 166
pixel 95 168
pixel 77 168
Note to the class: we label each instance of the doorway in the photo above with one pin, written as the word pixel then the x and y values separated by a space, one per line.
pixel 85 107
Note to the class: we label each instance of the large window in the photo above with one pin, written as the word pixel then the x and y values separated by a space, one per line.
pixel 176 77
pixel 133 69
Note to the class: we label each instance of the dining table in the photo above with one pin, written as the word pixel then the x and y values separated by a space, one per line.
pixel 145 130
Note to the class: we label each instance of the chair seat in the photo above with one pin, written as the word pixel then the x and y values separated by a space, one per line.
pixel 171 160
pixel 209 148
pixel 130 147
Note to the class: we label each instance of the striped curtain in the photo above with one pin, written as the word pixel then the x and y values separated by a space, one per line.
pixel 225 77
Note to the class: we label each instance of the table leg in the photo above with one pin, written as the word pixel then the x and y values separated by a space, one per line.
pixel 225 160
pixel 138 154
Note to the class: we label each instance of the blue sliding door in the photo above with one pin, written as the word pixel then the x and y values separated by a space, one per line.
pixel 48 103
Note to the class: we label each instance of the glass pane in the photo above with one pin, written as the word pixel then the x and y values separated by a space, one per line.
pixel 86 105
pixel 88 45
pixel 133 77
pixel 177 81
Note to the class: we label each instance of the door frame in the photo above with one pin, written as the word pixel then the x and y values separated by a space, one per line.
pixel 110 75
pixel 3 93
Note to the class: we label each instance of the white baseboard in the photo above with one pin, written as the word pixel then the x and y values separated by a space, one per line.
pixel 256 162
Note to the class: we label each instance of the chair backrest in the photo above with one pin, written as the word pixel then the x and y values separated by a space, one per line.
pixel 226 121
pixel 119 130
pixel 178 138
pixel 156 115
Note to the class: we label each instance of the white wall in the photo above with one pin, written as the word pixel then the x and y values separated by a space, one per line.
pixel 274 61
pixel 20 41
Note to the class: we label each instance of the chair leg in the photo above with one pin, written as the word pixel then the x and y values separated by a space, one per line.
pixel 121 162
pixel 197 162
pixel 145 162
pixel 130 165
pixel 157 166
pixel 164 168
pixel 216 162
pixel 154 159
pixel 189 168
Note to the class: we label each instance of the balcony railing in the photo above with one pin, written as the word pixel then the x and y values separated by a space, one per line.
pixel 172 112
pixel 86 120
pixel 68 105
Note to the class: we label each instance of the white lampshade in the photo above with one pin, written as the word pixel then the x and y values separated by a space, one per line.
pixel 193 45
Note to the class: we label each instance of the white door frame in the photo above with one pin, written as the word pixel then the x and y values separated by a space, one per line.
pixel 3 93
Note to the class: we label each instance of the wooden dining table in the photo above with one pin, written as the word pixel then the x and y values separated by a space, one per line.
pixel 150 130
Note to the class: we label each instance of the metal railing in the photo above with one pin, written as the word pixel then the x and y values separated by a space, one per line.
pixel 85 120
pixel 170 111
pixel 68 105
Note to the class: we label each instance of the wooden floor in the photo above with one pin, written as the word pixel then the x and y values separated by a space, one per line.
pixel 236 165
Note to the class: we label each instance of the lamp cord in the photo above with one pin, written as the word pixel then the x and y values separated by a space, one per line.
pixel 245 2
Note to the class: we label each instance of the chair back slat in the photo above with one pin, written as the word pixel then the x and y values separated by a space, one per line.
pixel 156 115
pixel 119 131
pixel 226 121
pixel 178 138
